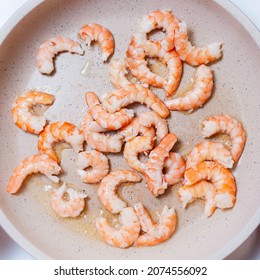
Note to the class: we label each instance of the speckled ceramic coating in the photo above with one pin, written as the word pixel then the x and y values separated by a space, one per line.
pixel 27 216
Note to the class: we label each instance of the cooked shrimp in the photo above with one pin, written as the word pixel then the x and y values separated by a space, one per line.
pixel 140 144
pixel 155 233
pixel 96 139
pixel 196 97
pixel 67 207
pixel 229 125
pixel 50 48
pixel 209 151
pixel 193 55
pixel 161 19
pixel 117 73
pixel 155 179
pixel 98 162
pixel 135 128
pixel 126 235
pixel 59 132
pixel 34 164
pixel 135 93
pixel 96 32
pixel 222 179
pixel 174 168
pixel 110 121
pixel 149 119
pixel 107 189
pixel 23 115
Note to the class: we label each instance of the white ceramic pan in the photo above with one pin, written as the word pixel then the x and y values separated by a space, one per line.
pixel 27 216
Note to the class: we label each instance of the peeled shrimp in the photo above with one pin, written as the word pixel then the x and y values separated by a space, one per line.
pixel 50 48
pixel 161 19
pixel 135 93
pixel 59 132
pixel 140 144
pixel 222 179
pixel 107 189
pixel 126 235
pixel 174 168
pixel 196 97
pixel 193 55
pixel 154 165
pixel 149 119
pixel 98 162
pixel 133 129
pixel 107 120
pixel 34 164
pixel 155 233
pixel 117 73
pixel 96 32
pixel 209 151
pixel 229 125
pixel 67 207
pixel 96 139
pixel 22 113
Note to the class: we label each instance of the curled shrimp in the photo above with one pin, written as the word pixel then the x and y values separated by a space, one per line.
pixel 209 151
pixel 126 235
pixel 96 32
pixel 197 96
pixel 107 120
pixel 221 177
pixel 98 162
pixel 23 115
pixel 226 124
pixel 69 206
pixel 193 55
pixel 155 233
pixel 155 179
pixel 117 73
pixel 107 189
pixel 161 19
pixel 96 139
pixel 34 164
pixel 135 93
pixel 59 132
pixel 133 129
pixel 50 48
pixel 140 144
pixel 174 168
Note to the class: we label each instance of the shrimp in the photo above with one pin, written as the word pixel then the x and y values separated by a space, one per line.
pixel 98 162
pixel 155 233
pixel 126 235
pixel 203 190
pixel 50 48
pixel 107 189
pixel 34 164
pixel 96 32
pixel 209 151
pixel 155 179
pixel 197 96
pixel 97 140
pixel 174 168
pixel 193 55
pixel 135 93
pixel 140 144
pixel 149 119
pixel 117 73
pixel 161 19
pixel 23 115
pixel 226 124
pixel 67 207
pixel 103 118
pixel 222 179
pixel 133 129
pixel 57 132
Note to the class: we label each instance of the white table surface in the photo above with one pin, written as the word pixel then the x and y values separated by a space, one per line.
pixel 250 249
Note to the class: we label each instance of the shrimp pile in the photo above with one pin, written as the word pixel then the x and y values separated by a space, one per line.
pixel 143 139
